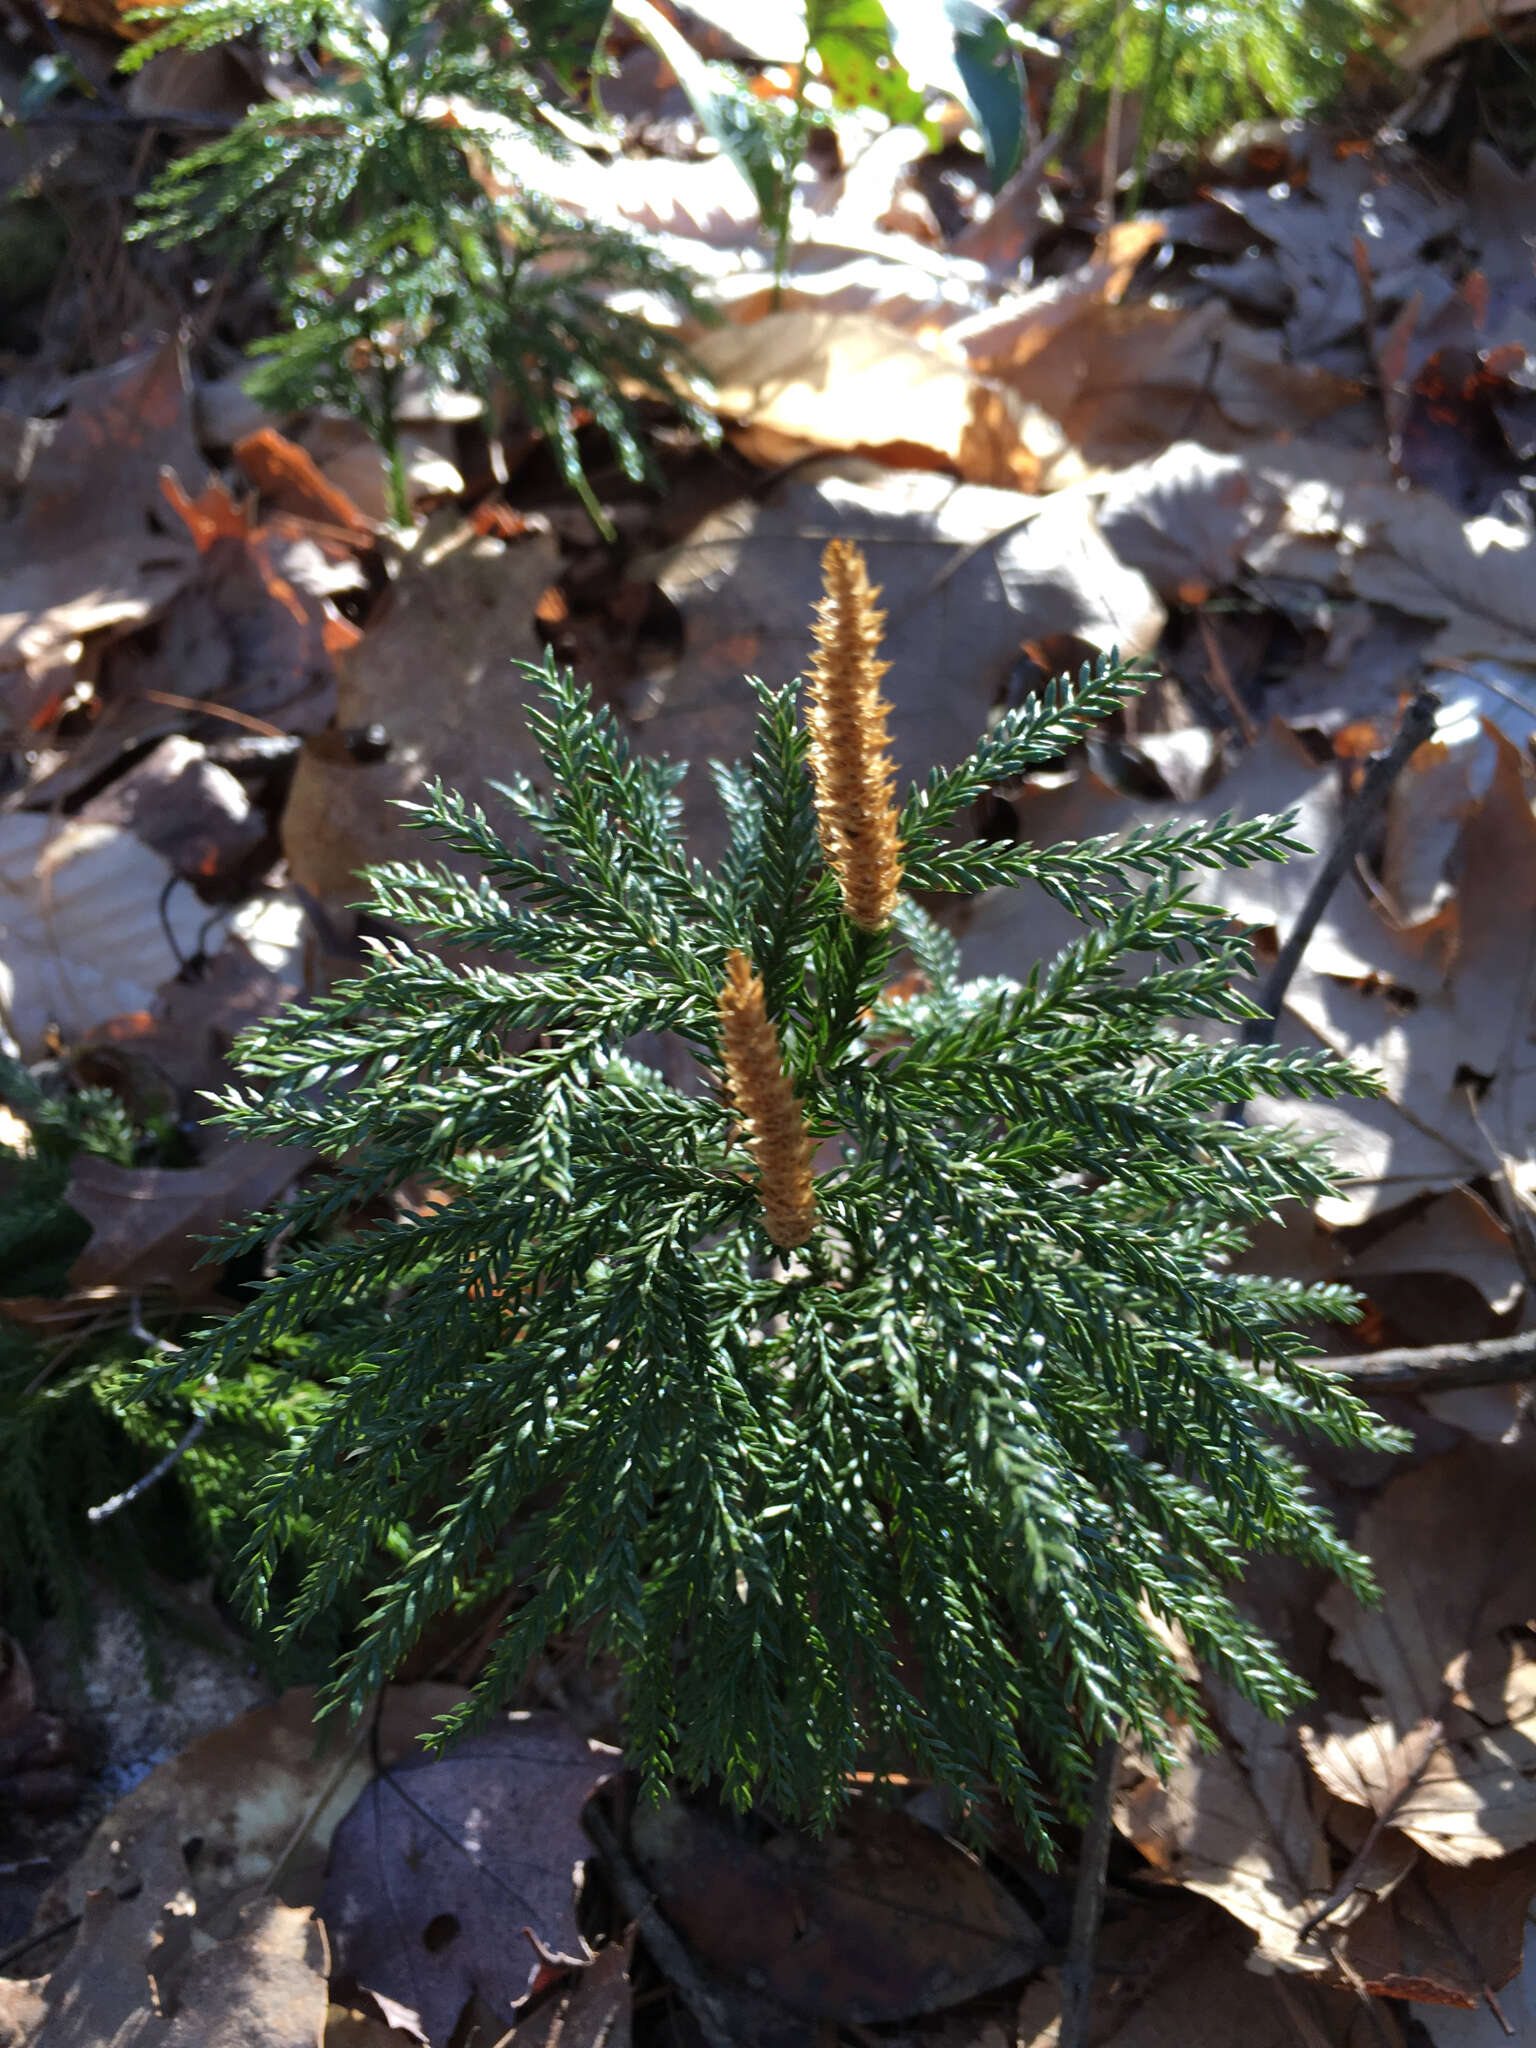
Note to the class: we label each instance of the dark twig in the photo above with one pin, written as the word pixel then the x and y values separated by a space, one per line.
pixel 129 1495
pixel 1437 1368
pixel 1418 722
pixel 1088 1902
pixel 671 1956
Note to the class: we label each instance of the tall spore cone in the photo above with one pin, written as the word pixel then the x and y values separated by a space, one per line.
pixel 850 745
pixel 764 1098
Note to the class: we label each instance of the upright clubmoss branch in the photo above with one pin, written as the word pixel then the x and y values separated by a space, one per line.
pixel 850 745
pixel 764 1098
pixel 937 1496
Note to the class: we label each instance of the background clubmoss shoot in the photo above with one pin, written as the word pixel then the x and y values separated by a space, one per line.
pixel 874 1509
pixel 764 1098
pixel 850 742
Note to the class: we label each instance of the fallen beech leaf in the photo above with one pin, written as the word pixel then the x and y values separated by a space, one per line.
pixel 186 807
pixel 149 1223
pixel 1440 1124
pixel 881 1919
pixel 1237 1824
pixel 90 546
pixel 1168 1977
pixel 1125 381
pixel 459 1876
pixel 89 926
pixel 1438 1934
pixel 233 1802
pixel 967 574
pixel 264 1986
pixel 461 612
pixel 1007 337
pixel 1452 1644
pixel 240 644
pixel 99 1996
pixel 286 474
pixel 849 382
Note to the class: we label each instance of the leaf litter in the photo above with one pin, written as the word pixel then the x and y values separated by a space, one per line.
pixel 1275 436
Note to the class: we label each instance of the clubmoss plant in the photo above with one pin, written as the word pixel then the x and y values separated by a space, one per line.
pixel 391 239
pixel 900 1462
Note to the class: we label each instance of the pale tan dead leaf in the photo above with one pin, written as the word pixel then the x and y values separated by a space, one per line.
pixel 1237 1825
pixel 1436 26
pixel 263 1986
pixel 91 545
pixel 1006 338
pixel 90 925
pixel 852 383
pixel 1453 1546
pixel 967 574
pixel 260 1798
pixel 149 1223
pixel 461 613
pixel 1126 381
pixel 23 2009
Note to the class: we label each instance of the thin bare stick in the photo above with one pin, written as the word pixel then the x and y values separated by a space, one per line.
pixel 1418 722
pixel 126 1499
pixel 1088 1902
pixel 1438 1368
pixel 671 1956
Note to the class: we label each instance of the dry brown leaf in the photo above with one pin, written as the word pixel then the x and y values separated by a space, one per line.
pixel 1125 382
pixel 459 1876
pixel 1314 224
pixel 187 808
pixel 264 1986
pixel 240 644
pixel 149 1223
pixel 23 2009
pixel 255 1791
pixel 967 575
pixel 1238 1825
pixel 1184 1980
pixel 1453 1644
pixel 91 545
pixel 1461 1091
pixel 1006 338
pixel 89 926
pixel 850 382
pixel 592 2012
pixel 1434 1932
pixel 881 1919
pixel 143 1974
pixel 461 612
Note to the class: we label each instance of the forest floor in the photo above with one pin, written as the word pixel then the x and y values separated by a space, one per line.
pixel 1276 435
